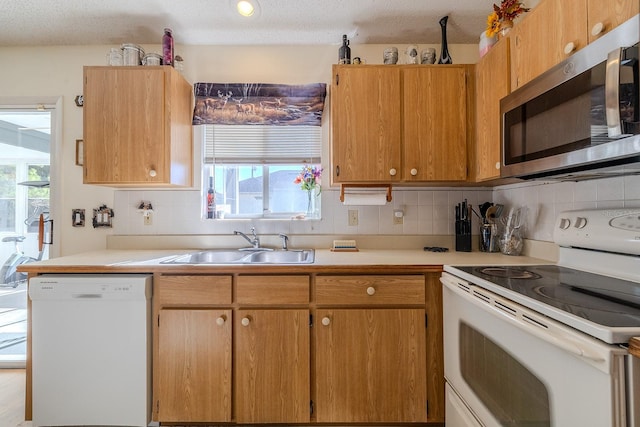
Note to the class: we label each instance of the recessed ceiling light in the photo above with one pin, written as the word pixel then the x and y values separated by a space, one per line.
pixel 246 8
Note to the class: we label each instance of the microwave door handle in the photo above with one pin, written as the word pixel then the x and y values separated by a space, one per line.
pixel 612 94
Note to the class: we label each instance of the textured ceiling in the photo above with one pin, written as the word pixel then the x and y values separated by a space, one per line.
pixel 214 22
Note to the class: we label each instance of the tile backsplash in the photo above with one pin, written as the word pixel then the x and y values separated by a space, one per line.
pixel 426 211
pixel 545 200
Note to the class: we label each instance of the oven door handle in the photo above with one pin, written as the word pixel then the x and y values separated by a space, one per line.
pixel 496 304
pixel 564 343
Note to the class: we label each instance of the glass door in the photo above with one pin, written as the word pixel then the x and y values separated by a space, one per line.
pixel 25 146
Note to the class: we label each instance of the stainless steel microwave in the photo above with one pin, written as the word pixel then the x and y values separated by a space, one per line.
pixel 580 119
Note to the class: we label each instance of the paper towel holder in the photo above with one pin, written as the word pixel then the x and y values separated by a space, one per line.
pixel 368 186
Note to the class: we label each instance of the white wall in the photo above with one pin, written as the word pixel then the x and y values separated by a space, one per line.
pixel 57 72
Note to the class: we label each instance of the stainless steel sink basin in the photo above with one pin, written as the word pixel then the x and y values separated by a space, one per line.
pixel 304 256
pixel 210 257
pixel 234 256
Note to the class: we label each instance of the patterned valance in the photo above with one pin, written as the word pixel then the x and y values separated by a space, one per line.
pixel 259 104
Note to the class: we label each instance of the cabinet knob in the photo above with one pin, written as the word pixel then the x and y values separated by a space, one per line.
pixel 220 321
pixel 152 173
pixel 414 172
pixel 371 290
pixel 393 172
pixel 326 321
pixel 245 321
pixel 597 29
pixel 569 47
pixel 498 165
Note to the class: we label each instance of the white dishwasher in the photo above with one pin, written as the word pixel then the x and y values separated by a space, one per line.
pixel 91 336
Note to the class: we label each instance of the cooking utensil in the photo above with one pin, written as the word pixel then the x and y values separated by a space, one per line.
pixel 483 209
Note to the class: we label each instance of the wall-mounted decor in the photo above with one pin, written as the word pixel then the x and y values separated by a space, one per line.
pixel 79 152
pixel 259 104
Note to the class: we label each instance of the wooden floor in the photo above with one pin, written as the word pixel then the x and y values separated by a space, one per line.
pixel 12 398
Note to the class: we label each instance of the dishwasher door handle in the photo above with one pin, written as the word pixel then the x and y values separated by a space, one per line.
pixel 86 296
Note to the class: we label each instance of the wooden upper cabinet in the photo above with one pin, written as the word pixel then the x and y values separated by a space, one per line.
pixel 435 123
pixel 543 37
pixel 396 123
pixel 137 127
pixel 492 84
pixel 605 15
pixel 366 123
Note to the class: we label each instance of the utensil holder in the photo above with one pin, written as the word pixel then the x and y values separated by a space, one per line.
pixel 489 237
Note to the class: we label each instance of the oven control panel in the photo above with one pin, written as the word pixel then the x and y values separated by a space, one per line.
pixel 614 230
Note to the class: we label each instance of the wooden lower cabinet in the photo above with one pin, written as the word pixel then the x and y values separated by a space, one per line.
pixel 297 349
pixel 272 366
pixel 370 365
pixel 194 365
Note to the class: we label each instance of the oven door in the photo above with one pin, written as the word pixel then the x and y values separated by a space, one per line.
pixel 512 366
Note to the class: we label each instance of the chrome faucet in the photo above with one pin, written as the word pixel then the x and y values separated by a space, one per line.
pixel 285 240
pixel 255 242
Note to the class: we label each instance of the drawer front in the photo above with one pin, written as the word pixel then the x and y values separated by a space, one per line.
pixel 270 290
pixel 192 290
pixel 370 290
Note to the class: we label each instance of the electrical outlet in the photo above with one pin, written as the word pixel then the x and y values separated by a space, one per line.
pixel 398 217
pixel 353 217
pixel 147 219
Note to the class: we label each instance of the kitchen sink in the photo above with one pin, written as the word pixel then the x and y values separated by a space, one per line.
pixel 235 256
pixel 304 256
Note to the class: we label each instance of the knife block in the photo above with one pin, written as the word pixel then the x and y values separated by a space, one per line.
pixel 463 235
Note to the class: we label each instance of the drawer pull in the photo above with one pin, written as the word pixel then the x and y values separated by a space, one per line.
pixel 326 321
pixel 414 172
pixel 245 321
pixel 393 172
pixel 371 290
pixel 220 321
pixel 153 173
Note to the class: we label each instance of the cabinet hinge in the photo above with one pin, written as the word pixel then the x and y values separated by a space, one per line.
pixel 337 79
pixel 158 320
pixel 311 407
pixel 311 320
pixel 426 320
pixel 157 407
pixel 427 409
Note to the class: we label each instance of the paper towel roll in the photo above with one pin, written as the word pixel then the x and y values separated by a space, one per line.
pixel 365 199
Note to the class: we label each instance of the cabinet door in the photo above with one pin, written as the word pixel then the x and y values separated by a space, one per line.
pixel 605 15
pixel 540 39
pixel 272 366
pixel 366 124
pixel 194 366
pixel 370 365
pixel 492 84
pixel 124 109
pixel 435 123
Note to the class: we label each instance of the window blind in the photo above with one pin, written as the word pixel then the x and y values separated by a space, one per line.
pixel 262 144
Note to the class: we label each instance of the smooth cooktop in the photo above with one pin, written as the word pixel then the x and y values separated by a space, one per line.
pixel 604 300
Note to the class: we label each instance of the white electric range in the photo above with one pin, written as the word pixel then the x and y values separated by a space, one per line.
pixel 545 345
